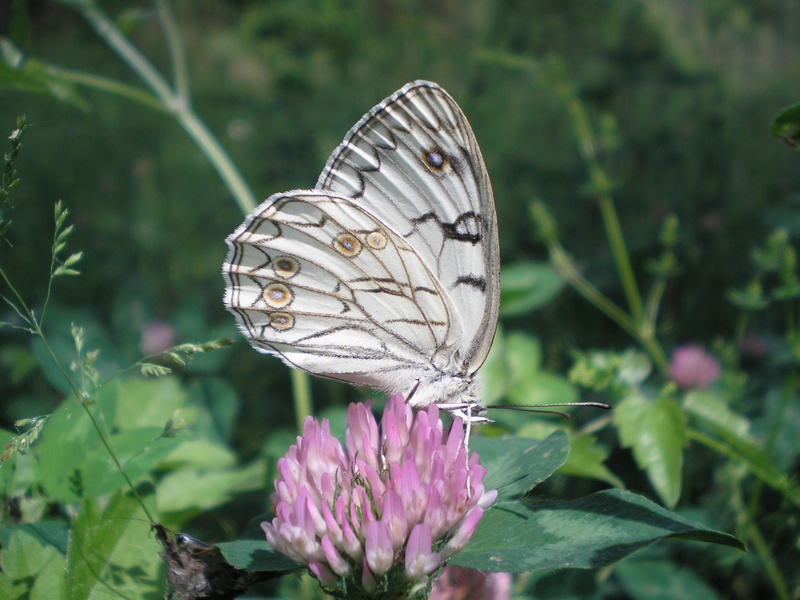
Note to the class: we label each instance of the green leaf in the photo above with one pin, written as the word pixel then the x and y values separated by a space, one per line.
pixel 532 535
pixel 495 372
pixel 586 458
pixel 219 407
pixel 65 440
pixel 656 432
pixel 35 76
pixel 52 533
pixel 529 383
pixel 202 453
pixel 111 553
pixel 516 464
pixel 141 452
pixel 27 556
pixel 527 286
pixel 147 402
pixel 257 556
pixel 72 460
pixel 202 489
pixel 711 409
pixel 786 125
pixel 13 589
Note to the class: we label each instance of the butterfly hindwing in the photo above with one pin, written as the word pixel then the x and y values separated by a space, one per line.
pixel 414 160
pixel 320 281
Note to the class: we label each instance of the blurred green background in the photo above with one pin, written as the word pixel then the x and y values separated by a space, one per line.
pixel 681 92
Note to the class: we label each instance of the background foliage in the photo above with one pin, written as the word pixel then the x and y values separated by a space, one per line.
pixel 679 97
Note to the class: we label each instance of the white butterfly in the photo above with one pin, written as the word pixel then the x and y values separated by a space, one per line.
pixel 387 273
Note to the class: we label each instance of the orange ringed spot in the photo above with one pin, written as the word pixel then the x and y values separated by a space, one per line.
pixel 277 295
pixel 281 320
pixel 376 240
pixel 286 267
pixel 347 245
pixel 435 159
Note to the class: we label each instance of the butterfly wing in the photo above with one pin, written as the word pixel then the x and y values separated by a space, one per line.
pixel 321 282
pixel 413 160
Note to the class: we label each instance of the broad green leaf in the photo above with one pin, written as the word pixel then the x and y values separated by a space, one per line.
pixel 201 453
pixel 586 457
pixel 197 489
pixel 515 536
pixel 656 433
pixel 51 582
pixel 516 370
pixel 14 589
pixel 49 533
pixel 221 403
pixel 27 555
pixel 66 438
pixel 141 451
pixel 523 354
pixel 527 286
pixel 72 460
pixel 150 403
pixel 495 372
pixel 542 387
pixel 712 410
pixel 257 556
pixel 18 362
pixel 111 553
pixel 515 464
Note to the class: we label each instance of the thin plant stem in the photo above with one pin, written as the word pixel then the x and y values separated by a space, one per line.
pixel 781 484
pixel 566 267
pixel 301 392
pixel 642 329
pixel 177 51
pixel 25 313
pixel 176 102
pixel 750 531
pixel 595 297
pixel 600 184
pixel 110 86
pixel 654 298
pixel 100 432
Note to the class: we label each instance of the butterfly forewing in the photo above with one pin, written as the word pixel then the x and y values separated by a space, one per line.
pixel 414 160
pixel 317 279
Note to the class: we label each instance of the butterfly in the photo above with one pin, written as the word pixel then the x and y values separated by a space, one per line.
pixel 387 273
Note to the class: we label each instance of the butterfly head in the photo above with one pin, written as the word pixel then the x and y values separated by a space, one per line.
pixel 456 394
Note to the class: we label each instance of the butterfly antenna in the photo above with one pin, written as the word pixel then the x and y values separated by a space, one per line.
pixel 538 408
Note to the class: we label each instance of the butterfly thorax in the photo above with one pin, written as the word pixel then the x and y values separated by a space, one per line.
pixel 457 394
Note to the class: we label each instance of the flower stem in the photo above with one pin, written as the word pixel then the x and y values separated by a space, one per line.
pixel 301 391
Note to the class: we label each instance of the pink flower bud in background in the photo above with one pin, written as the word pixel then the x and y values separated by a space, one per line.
pixel 691 367
pixel 157 336
pixel 458 583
